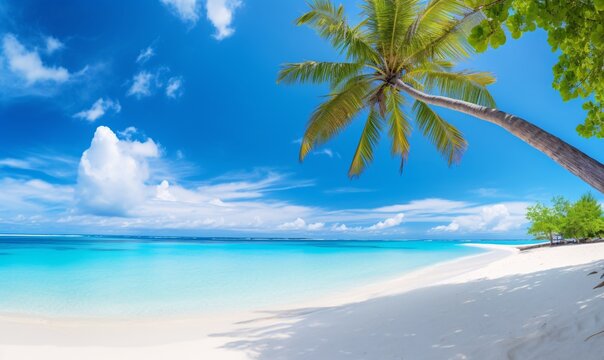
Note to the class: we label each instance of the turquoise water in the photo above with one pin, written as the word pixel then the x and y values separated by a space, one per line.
pixel 95 276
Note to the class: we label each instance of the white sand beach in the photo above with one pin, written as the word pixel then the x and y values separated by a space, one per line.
pixel 503 304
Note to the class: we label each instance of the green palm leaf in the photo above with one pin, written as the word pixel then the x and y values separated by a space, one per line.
pixel 462 85
pixel 448 139
pixel 400 129
pixel 416 42
pixel 318 72
pixel 335 113
pixel 369 139
pixel 329 21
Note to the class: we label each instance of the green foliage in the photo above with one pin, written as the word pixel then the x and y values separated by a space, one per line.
pixel 544 224
pixel 575 29
pixel 580 220
pixel 584 219
pixel 414 41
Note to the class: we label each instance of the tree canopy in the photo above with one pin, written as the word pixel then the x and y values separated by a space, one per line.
pixel 580 220
pixel 575 29
pixel 409 40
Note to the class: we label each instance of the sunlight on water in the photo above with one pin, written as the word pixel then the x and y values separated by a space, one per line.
pixel 144 276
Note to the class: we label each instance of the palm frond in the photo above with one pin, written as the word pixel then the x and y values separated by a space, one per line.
pixel 330 22
pixel 369 139
pixel 435 13
pixel 400 129
pixel 447 138
pixel 318 72
pixel 335 113
pixel 463 85
pixel 446 40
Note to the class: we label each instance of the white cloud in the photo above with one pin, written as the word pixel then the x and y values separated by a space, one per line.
pixel 174 87
pixel 141 84
pixel 98 109
pixel 220 14
pixel 31 197
pixel 113 173
pixel 145 55
pixel 53 44
pixel 300 224
pixel 452 227
pixel 388 223
pixel 328 152
pixel 491 218
pixel 47 163
pixel 186 10
pixel 126 185
pixel 28 65
pixel 128 132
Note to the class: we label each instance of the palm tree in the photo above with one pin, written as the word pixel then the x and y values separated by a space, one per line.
pixel 403 55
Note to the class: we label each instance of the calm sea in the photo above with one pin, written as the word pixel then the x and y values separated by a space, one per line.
pixel 106 276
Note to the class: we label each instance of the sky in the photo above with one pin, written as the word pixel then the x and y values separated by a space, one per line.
pixel 163 117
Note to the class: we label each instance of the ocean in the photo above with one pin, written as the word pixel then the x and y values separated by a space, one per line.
pixel 126 276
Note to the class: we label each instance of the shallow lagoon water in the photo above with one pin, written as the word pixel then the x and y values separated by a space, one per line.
pixel 108 276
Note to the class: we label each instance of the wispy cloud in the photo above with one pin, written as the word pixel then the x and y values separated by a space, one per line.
pixel 53 45
pixel 186 10
pixel 327 152
pixel 27 64
pixel 141 85
pixel 145 55
pixel 128 184
pixel 58 166
pixel 98 109
pixel 174 87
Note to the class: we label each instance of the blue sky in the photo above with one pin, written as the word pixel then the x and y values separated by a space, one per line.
pixel 164 117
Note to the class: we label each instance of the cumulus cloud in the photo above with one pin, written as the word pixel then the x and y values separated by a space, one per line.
pixel 186 10
pixel 141 85
pixel 123 183
pixel 145 55
pixel 492 218
pixel 98 109
pixel 220 14
pixel 300 224
pixel 112 174
pixel 174 87
pixel 27 64
pixel 388 223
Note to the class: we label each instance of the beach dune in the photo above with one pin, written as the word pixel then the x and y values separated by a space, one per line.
pixel 504 304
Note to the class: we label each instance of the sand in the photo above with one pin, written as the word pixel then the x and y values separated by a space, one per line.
pixel 503 304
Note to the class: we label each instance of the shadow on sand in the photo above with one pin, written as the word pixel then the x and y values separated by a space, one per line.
pixel 483 319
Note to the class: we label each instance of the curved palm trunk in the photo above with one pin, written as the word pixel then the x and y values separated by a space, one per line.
pixel 571 158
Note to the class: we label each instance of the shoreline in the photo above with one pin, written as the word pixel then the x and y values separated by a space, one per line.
pixel 214 336
pixel 358 293
pixel 389 285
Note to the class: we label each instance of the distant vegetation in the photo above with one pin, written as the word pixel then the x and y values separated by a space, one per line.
pixel 581 220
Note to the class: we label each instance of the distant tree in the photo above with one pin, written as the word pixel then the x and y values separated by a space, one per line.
pixel 546 222
pixel 584 219
pixel 575 30
pixel 543 223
